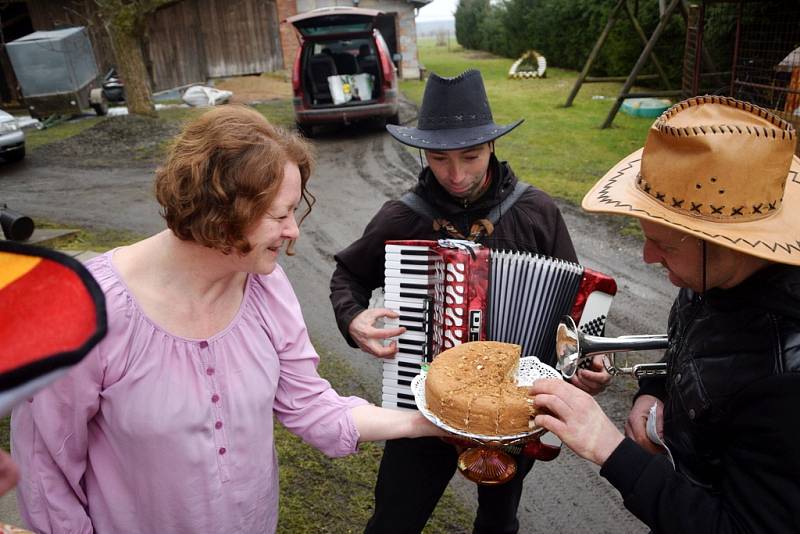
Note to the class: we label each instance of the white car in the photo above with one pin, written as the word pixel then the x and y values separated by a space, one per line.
pixel 12 138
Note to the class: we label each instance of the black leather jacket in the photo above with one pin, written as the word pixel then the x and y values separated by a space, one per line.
pixel 731 414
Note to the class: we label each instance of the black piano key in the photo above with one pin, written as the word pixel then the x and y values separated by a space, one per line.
pixel 414 342
pixel 412 309
pixel 413 352
pixel 409 285
pixel 427 272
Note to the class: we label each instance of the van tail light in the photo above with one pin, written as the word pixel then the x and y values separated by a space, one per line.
pixel 387 67
pixel 297 87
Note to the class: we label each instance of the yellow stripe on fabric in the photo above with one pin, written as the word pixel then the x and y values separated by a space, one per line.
pixel 14 266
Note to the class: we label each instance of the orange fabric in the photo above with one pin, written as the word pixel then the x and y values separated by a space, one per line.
pixel 13 266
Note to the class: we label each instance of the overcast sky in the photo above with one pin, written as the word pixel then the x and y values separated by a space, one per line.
pixel 438 10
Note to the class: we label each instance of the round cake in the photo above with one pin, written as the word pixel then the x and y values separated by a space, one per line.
pixel 472 387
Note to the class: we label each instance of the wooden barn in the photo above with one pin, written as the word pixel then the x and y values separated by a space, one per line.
pixel 190 41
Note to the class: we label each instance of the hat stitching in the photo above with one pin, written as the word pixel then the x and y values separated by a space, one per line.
pixel 603 196
pixel 695 207
pixel 785 127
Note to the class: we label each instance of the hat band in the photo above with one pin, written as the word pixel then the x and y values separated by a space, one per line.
pixel 448 122
pixel 707 211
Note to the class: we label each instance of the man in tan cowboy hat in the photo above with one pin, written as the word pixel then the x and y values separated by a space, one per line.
pixel 463 192
pixel 716 190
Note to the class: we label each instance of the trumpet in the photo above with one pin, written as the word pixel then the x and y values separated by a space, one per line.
pixel 573 348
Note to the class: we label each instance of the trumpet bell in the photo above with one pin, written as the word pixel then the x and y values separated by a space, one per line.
pixel 573 347
pixel 568 346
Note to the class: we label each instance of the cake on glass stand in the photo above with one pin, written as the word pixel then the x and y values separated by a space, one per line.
pixel 483 458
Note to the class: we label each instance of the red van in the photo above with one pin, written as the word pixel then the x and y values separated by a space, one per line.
pixel 343 71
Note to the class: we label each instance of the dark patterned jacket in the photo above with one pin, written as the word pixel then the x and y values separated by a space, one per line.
pixel 532 224
pixel 731 414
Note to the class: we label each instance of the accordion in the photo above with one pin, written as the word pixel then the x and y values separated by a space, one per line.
pixel 448 292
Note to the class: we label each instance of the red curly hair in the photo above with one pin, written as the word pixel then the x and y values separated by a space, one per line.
pixel 223 172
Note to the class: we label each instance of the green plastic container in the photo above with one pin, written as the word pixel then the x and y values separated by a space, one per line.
pixel 645 107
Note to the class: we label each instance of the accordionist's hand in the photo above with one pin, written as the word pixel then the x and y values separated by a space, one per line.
pixel 370 338
pixel 593 379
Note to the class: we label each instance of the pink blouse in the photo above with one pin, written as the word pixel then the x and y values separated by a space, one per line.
pixel 157 433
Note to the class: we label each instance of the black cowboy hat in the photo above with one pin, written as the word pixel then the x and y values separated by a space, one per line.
pixel 455 114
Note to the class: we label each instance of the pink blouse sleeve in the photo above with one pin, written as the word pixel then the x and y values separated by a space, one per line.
pixel 50 439
pixel 305 403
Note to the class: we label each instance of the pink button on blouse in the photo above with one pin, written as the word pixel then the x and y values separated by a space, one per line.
pixel 126 442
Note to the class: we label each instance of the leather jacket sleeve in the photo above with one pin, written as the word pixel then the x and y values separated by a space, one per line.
pixel 761 488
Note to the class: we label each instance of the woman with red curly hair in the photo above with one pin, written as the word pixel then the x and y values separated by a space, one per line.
pixel 167 425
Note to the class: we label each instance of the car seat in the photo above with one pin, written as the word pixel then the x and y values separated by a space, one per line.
pixel 346 63
pixel 321 66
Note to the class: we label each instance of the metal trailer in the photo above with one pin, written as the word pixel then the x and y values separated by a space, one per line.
pixel 57 72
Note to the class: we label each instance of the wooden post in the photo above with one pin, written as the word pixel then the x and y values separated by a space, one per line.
pixel 638 28
pixel 662 24
pixel 612 19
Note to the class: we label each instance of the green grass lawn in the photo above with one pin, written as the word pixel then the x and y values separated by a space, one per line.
pixel 560 150
pixel 37 138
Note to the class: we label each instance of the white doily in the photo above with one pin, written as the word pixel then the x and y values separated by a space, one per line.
pixel 530 370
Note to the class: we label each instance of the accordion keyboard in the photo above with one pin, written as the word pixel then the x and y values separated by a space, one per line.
pixel 411 274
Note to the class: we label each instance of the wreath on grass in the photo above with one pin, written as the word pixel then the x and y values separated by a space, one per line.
pixel 530 65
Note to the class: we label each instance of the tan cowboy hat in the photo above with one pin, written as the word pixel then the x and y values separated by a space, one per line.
pixel 717 168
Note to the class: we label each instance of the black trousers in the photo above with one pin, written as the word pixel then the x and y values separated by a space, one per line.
pixel 412 477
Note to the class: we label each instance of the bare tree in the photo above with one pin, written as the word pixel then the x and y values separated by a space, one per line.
pixel 125 22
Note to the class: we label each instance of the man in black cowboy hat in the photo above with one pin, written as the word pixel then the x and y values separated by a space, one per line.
pixel 465 192
pixel 716 192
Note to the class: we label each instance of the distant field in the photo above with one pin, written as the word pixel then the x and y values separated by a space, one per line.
pixel 560 150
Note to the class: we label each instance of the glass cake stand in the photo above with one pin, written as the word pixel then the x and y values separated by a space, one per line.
pixel 483 459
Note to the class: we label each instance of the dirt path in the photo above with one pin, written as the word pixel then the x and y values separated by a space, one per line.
pixel 359 169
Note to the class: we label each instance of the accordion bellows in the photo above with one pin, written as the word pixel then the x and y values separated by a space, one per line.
pixel 472 387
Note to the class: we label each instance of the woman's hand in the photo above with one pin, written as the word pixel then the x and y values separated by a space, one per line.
pixel 369 338
pixel 636 425
pixel 575 417
pixel 593 380
pixel 8 472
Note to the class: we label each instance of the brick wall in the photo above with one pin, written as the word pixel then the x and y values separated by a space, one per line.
pixel 287 8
